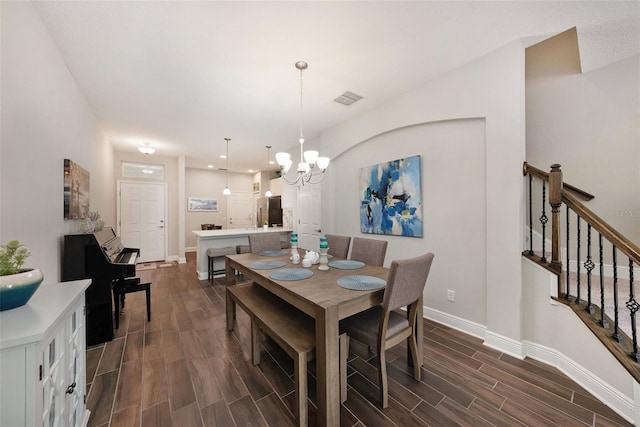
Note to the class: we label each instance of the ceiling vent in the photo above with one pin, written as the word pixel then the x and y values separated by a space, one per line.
pixel 348 98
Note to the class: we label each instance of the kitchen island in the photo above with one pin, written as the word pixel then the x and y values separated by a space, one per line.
pixel 227 237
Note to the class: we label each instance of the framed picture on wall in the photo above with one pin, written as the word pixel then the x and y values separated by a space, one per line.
pixel 76 191
pixel 391 198
pixel 201 204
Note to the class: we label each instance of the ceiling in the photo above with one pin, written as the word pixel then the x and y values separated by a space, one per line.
pixel 184 75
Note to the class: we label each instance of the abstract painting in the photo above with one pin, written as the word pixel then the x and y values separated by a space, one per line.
pixel 391 198
pixel 76 191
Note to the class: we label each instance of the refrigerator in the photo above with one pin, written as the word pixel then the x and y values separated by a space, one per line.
pixel 269 209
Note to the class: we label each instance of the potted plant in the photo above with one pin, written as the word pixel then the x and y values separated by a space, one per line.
pixel 265 225
pixel 17 284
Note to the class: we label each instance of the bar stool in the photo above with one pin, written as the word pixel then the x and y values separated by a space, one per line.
pixel 213 253
pixel 121 287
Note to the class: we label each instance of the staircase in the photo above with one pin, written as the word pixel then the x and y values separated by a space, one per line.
pixel 594 264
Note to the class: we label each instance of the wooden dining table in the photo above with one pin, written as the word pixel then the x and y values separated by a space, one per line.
pixel 322 298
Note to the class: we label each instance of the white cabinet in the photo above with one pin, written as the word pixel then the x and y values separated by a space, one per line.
pixel 42 358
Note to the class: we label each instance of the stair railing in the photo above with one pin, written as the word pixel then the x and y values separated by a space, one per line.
pixel 570 275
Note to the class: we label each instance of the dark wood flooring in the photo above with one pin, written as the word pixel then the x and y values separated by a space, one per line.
pixel 184 369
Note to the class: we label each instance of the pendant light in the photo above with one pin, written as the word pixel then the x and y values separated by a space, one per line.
pixel 226 190
pixel 268 193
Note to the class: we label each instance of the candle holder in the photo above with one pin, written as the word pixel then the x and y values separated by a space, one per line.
pixel 295 255
pixel 324 261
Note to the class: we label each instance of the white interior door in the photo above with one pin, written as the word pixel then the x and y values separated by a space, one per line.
pixel 240 210
pixel 309 218
pixel 141 219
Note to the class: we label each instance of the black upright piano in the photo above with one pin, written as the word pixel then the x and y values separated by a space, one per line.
pixel 101 257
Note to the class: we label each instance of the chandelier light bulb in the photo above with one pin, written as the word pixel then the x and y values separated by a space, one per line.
pixel 310 157
pixel 323 163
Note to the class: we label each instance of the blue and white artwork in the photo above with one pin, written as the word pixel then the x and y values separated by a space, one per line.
pixel 391 198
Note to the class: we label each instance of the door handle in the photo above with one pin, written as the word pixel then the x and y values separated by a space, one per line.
pixel 71 388
pixel 318 230
pixel 161 226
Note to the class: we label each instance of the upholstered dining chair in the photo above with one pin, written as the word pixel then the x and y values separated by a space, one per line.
pixel 381 327
pixel 264 242
pixel 338 245
pixel 369 251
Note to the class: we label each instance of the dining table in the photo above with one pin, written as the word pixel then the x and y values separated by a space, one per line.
pixel 320 296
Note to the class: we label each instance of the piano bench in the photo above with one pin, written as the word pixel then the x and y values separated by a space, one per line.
pixel 126 286
pixel 213 253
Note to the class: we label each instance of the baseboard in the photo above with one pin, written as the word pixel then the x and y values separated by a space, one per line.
pixel 176 258
pixel 463 325
pixel 504 344
pixel 595 385
pixel 493 340
pixel 191 249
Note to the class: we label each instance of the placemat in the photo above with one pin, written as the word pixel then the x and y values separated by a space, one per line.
pixel 267 265
pixel 361 283
pixel 273 253
pixel 346 264
pixel 291 274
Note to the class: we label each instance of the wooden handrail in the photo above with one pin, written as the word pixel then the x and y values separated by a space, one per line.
pixel 528 169
pixel 623 244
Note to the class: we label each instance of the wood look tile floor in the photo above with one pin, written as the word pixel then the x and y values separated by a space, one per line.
pixel 184 369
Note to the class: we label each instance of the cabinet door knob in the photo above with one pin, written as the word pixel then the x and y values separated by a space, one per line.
pixel 71 388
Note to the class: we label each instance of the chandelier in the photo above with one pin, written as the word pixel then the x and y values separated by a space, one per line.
pixel 226 190
pixel 308 159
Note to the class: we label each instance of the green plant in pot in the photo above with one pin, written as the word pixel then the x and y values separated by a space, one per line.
pixel 17 284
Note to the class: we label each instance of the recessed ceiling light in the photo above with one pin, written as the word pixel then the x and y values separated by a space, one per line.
pixel 222 156
pixel 210 166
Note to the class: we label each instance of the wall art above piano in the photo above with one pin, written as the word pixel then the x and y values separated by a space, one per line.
pixel 391 198
pixel 76 191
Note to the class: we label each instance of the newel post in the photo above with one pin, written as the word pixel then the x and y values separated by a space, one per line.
pixel 555 200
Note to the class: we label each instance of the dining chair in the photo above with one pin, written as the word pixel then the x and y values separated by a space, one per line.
pixel 381 327
pixel 338 245
pixel 369 251
pixel 264 242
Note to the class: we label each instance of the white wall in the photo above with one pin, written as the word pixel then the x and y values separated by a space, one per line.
pixel 491 88
pixel 554 334
pixel 206 183
pixel 45 119
pixel 590 124
pixel 449 197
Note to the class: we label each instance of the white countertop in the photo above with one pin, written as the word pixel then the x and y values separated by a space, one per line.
pixel 30 323
pixel 230 232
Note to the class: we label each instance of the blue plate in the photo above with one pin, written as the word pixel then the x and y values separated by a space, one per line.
pixel 267 265
pixel 291 274
pixel 361 283
pixel 273 253
pixel 346 264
